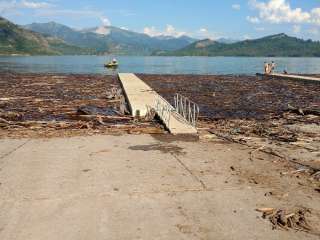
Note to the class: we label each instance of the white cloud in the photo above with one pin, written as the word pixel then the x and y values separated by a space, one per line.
pixel 151 31
pixel 103 30
pixel 13 6
pixel 169 31
pixel 203 30
pixel 56 12
pixel 205 33
pixel 280 11
pixel 173 32
pixel 246 37
pixel 47 9
pixel 296 29
pixel 35 5
pixel 236 7
pixel 253 20
pixel 105 21
pixel 315 16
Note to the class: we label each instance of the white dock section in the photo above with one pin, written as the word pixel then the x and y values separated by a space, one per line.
pixel 297 77
pixel 291 77
pixel 141 97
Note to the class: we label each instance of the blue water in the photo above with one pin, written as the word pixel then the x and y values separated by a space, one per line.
pixel 155 65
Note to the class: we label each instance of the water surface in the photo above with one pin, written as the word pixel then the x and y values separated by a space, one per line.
pixel 155 65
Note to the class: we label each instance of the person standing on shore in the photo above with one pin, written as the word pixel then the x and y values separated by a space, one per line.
pixel 273 66
pixel 266 67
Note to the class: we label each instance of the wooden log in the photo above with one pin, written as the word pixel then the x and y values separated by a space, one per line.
pixel 95 117
pixel 3 121
pixel 303 112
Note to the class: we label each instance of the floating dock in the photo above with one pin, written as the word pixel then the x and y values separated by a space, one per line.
pixel 289 77
pixel 141 98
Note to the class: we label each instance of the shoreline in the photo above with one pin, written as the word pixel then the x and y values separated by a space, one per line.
pixel 151 74
pixel 207 90
pixel 157 56
pixel 49 105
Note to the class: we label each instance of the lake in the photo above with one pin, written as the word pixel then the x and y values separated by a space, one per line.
pixel 155 65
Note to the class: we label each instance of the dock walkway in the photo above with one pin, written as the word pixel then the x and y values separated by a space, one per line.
pixel 291 77
pixel 141 97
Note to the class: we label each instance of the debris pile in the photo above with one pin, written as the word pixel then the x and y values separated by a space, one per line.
pixel 285 220
pixel 237 97
pixel 281 117
pixel 53 105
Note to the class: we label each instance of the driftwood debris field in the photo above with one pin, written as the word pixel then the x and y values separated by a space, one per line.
pixel 47 105
pixel 280 117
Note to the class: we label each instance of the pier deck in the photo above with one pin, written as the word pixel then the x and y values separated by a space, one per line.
pixel 141 97
pixel 291 77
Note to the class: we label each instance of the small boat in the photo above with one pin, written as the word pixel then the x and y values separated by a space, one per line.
pixel 112 64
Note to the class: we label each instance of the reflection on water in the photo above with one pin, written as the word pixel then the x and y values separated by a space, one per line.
pixel 156 65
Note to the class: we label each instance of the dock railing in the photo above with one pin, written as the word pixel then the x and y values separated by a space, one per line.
pixel 188 109
pixel 163 109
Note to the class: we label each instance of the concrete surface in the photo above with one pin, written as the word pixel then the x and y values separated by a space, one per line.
pixel 141 97
pixel 291 77
pixel 131 187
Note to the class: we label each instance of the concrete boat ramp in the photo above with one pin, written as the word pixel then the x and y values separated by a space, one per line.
pixel 141 98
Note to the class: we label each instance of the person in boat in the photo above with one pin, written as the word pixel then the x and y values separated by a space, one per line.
pixel 113 63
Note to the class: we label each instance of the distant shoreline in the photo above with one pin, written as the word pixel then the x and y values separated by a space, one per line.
pixel 16 55
pixel 155 56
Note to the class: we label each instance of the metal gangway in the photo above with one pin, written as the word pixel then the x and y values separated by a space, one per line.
pixel 184 109
pixel 141 98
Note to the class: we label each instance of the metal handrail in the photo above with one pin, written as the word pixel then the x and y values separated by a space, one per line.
pixel 163 109
pixel 188 109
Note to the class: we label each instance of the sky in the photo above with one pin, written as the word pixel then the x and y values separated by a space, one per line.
pixel 234 19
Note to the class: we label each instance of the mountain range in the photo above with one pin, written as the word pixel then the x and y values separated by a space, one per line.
pixel 57 39
pixel 279 45
pixel 17 40
pixel 111 40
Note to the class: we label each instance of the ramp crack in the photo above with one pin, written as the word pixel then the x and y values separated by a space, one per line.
pixel 13 150
pixel 203 185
